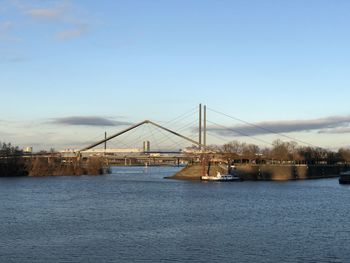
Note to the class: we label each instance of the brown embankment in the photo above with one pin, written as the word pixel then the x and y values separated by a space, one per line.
pixel 195 171
pixel 288 172
pixel 267 172
pixel 58 167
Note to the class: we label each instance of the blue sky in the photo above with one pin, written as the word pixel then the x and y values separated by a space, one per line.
pixel 282 64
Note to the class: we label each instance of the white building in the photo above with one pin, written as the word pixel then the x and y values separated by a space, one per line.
pixel 102 152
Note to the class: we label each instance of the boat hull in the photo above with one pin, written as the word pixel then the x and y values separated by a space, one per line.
pixel 344 181
pixel 344 177
pixel 216 179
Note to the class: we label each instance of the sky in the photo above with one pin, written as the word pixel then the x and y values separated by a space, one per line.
pixel 71 70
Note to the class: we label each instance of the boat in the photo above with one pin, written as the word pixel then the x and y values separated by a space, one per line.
pixel 221 177
pixel 344 177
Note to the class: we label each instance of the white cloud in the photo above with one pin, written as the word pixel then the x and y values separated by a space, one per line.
pixel 61 13
pixel 6 25
pixel 45 13
pixel 13 58
pixel 6 32
pixel 72 33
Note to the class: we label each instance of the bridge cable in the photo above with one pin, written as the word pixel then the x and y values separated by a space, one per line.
pixel 216 136
pixel 152 135
pixel 180 117
pixel 88 141
pixel 242 133
pixel 140 139
pixel 263 128
pixel 184 115
pixel 170 139
pixel 122 139
pixel 181 129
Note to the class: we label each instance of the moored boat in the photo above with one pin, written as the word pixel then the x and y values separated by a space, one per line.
pixel 344 177
pixel 221 177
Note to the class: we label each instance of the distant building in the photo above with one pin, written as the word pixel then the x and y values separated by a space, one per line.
pixel 101 152
pixel 146 146
pixel 28 149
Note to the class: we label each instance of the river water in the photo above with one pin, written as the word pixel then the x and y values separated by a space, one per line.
pixel 134 215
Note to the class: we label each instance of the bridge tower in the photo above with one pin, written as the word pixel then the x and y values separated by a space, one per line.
pixel 202 127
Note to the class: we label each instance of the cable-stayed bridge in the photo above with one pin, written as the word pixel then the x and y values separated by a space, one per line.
pixel 194 133
pixel 184 140
pixel 149 142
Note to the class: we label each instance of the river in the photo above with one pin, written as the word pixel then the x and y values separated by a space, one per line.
pixel 134 215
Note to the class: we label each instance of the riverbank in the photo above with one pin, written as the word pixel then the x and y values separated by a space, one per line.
pixel 60 167
pixel 50 166
pixel 195 171
pixel 265 172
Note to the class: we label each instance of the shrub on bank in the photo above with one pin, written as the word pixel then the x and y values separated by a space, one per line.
pixel 12 167
pixel 56 166
pixel 11 161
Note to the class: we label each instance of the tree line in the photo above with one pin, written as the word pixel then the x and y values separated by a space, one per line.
pixel 282 151
pixel 13 162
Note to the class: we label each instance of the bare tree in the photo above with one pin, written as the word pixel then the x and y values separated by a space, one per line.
pixel 344 154
pixel 250 151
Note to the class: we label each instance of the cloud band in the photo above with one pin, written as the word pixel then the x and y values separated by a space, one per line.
pixel 333 124
pixel 88 121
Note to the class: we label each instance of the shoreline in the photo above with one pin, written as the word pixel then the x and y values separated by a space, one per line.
pixel 253 172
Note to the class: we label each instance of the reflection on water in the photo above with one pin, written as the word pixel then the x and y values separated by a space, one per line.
pixel 136 215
